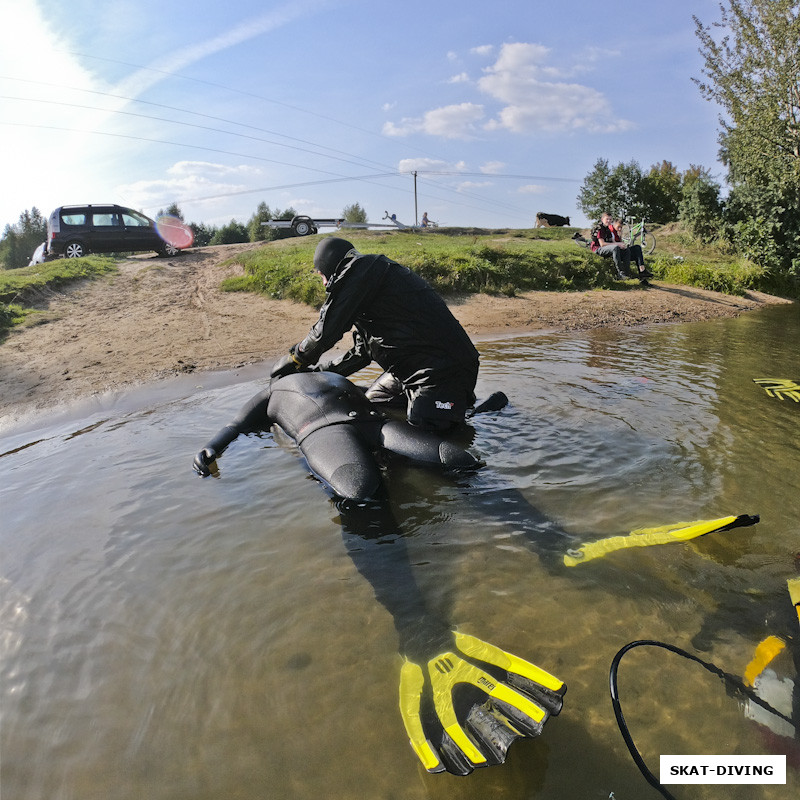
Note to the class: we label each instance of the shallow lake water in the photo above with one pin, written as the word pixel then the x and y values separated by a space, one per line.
pixel 166 636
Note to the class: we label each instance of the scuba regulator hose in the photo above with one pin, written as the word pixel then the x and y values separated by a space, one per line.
pixel 731 682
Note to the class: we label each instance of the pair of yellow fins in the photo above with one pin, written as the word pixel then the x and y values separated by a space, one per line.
pixel 466 706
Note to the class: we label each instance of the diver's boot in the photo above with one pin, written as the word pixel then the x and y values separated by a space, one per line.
pixel 481 700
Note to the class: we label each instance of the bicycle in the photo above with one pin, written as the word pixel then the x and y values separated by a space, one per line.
pixel 631 232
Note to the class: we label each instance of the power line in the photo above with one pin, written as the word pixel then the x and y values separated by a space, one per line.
pixel 485 202
pixel 184 111
pixel 179 122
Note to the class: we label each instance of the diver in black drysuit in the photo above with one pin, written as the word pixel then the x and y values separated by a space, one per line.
pixel 337 429
pixel 402 323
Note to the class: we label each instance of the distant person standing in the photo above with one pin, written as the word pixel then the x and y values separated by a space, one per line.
pixel 402 323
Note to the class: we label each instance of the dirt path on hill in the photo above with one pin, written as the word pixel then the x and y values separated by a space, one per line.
pixel 161 317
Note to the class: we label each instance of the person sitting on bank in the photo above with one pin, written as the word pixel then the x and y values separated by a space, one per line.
pixel 430 363
pixel 607 242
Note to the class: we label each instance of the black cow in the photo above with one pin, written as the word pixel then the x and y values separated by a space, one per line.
pixel 550 220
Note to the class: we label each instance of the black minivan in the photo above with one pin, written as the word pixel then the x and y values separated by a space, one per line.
pixel 75 231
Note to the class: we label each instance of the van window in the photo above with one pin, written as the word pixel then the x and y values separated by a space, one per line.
pixel 133 220
pixel 105 220
pixel 74 218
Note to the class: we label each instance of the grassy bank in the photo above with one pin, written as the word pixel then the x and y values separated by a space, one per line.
pixel 451 260
pixel 503 262
pixel 463 260
pixel 21 288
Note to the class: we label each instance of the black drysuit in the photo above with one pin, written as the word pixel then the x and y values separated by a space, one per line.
pixel 404 325
pixel 337 429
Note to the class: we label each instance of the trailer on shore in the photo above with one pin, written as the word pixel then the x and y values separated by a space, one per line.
pixel 306 226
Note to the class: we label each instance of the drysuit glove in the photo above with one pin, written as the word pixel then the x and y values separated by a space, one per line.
pixel 203 461
pixel 287 365
pixel 284 366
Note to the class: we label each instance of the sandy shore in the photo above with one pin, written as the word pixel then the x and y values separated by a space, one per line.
pixel 164 317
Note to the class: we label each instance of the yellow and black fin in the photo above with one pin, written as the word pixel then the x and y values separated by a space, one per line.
pixel 481 700
pixel 647 537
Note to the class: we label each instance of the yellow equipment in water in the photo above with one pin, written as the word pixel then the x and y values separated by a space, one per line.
pixel 481 700
pixel 646 537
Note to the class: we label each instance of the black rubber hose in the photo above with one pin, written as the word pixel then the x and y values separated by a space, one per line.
pixel 730 681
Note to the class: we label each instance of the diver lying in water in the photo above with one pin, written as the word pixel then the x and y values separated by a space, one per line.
pixel 337 430
pixel 463 701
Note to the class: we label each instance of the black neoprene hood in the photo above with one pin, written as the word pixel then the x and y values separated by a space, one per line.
pixel 329 254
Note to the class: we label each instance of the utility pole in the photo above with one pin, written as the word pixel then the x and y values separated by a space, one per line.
pixel 416 213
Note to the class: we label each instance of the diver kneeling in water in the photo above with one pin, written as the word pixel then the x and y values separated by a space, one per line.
pixel 463 701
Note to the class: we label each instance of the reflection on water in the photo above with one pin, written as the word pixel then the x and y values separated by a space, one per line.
pixel 166 637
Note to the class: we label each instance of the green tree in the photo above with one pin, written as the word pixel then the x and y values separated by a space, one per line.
pixel 354 213
pixel 595 194
pixel 232 233
pixel 203 234
pixel 621 191
pixel 626 191
pixel 752 71
pixel 662 192
pixel 700 205
pixel 256 231
pixel 263 233
pixel 20 240
pixel 172 210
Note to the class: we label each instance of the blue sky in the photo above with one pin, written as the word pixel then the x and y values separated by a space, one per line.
pixel 501 108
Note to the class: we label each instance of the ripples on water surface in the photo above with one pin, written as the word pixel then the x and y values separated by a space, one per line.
pixel 170 637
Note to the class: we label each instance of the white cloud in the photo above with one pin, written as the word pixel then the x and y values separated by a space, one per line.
pixel 429 165
pixel 532 188
pixel 159 70
pixel 450 122
pixel 187 182
pixel 521 79
pixel 492 167
pixel 466 185
pixel 533 95
pixel 592 56
pixel 197 168
pixel 41 163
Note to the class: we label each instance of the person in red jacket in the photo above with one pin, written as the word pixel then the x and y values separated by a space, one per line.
pixel 606 241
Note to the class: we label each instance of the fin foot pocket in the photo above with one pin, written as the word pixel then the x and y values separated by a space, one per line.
pixel 483 699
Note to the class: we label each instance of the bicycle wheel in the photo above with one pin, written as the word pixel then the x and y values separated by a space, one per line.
pixel 648 243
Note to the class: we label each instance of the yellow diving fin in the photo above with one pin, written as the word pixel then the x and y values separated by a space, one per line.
pixel 772 646
pixel 780 388
pixel 481 699
pixel 646 537
pixel 764 654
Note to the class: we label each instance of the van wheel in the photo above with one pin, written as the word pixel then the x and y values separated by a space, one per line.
pixel 74 250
